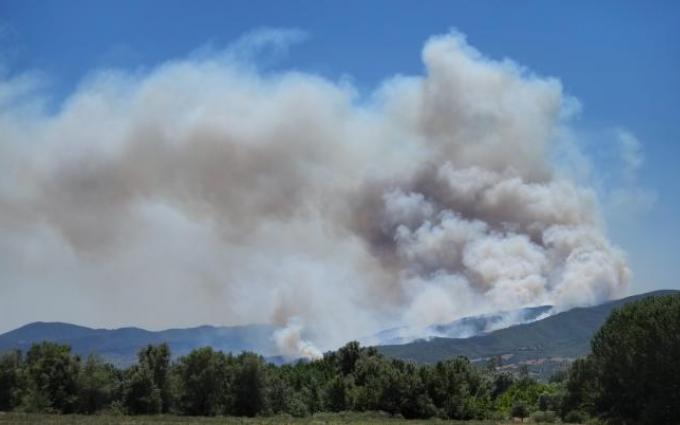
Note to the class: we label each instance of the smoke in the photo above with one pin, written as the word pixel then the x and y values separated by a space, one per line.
pixel 462 328
pixel 206 191
pixel 291 344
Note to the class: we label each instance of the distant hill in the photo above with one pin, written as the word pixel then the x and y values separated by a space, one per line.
pixel 461 328
pixel 544 345
pixel 120 346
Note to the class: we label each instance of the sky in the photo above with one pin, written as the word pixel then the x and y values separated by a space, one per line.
pixel 619 59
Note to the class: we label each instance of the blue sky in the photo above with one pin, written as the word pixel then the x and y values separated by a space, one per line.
pixel 621 59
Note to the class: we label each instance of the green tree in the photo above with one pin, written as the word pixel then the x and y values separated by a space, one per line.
pixel 520 410
pixel 311 395
pixel 415 402
pixel 348 356
pixel 12 383
pixel 635 354
pixel 582 387
pixel 141 395
pixel 501 383
pixel 250 385
pixel 340 394
pixel 204 377
pixel 156 358
pixel 547 401
pixel 97 385
pixel 525 391
pixel 147 388
pixel 456 387
pixel 369 377
pixel 392 393
pixel 52 374
pixel 280 395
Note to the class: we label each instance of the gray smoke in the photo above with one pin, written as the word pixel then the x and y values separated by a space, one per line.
pixel 207 192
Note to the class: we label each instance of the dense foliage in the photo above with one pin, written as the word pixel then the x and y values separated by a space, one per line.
pixel 207 383
pixel 631 377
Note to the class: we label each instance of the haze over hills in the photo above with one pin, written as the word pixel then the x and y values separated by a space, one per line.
pixel 543 344
pixel 462 328
pixel 120 346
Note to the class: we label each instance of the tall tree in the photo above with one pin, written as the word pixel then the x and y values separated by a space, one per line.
pixel 157 359
pixel 97 385
pixel 147 384
pixel 204 377
pixel 348 356
pixel 12 383
pixel 52 374
pixel 453 385
pixel 250 384
pixel 582 387
pixel 340 393
pixel 635 354
pixel 141 395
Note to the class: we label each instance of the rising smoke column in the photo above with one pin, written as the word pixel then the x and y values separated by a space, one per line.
pixel 207 192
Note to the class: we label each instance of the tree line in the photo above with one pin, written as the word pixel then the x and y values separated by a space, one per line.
pixel 632 376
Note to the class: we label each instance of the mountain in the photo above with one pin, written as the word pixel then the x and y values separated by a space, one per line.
pixel 461 328
pixel 120 346
pixel 543 345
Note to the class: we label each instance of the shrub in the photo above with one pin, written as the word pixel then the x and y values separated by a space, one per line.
pixel 520 410
pixel 547 416
pixel 575 417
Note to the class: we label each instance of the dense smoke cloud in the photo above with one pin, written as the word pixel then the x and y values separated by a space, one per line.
pixel 207 192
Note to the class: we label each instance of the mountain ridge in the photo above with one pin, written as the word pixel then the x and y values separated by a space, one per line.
pixel 461 328
pixel 120 345
pixel 544 345
pixel 540 343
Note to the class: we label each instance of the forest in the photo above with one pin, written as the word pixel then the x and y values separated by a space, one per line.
pixel 631 376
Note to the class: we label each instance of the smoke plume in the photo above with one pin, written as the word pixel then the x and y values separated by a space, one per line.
pixel 205 191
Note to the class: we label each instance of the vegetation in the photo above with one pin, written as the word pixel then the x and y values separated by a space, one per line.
pixel 633 372
pixel 563 335
pixel 208 383
pixel 342 418
pixel 632 376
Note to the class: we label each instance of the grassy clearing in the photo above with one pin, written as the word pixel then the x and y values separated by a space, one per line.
pixel 320 419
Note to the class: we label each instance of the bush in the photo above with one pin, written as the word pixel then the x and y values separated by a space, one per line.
pixel 52 374
pixel 547 416
pixel 298 408
pixel 520 410
pixel 575 417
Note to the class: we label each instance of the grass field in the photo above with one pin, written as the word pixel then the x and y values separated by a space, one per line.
pixel 323 419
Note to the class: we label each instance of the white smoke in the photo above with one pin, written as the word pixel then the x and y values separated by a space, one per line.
pixel 291 343
pixel 207 192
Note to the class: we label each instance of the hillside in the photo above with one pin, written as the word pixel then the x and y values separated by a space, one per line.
pixel 461 328
pixel 544 345
pixel 120 346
